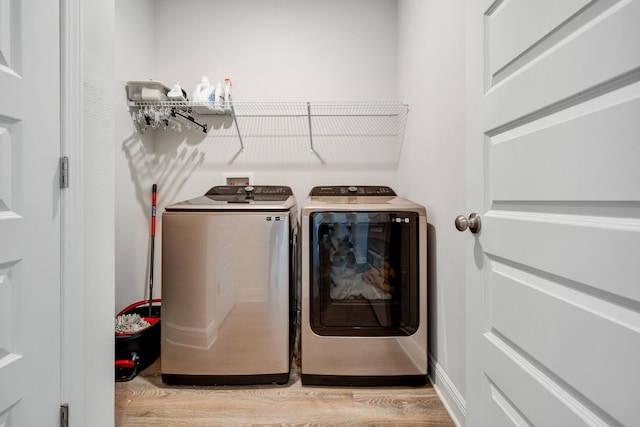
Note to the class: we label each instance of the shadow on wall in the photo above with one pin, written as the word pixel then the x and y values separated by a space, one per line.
pixel 169 155
pixel 169 169
pixel 169 158
pixel 432 294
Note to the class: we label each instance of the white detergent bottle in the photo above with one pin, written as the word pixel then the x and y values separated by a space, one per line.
pixel 218 102
pixel 203 91
pixel 227 95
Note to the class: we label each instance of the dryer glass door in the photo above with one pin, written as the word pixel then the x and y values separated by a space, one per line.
pixel 364 275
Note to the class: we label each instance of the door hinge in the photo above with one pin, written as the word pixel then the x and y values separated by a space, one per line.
pixel 64 172
pixel 64 415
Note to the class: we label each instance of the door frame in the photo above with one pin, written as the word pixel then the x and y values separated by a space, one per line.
pixel 72 219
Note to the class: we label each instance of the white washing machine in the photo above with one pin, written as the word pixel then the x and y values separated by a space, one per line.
pixel 364 288
pixel 228 284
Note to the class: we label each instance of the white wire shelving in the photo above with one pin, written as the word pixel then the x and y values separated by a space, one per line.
pixel 382 121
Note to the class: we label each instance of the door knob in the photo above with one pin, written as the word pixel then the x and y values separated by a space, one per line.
pixel 473 223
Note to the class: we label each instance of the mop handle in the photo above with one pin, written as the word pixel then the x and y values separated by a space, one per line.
pixel 153 235
pixel 153 210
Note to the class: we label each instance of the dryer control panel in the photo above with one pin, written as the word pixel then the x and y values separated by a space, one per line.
pixel 352 190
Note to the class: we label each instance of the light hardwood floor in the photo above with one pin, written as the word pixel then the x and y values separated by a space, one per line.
pixel 146 401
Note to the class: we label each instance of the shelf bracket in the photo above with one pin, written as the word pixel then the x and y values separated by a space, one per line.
pixel 310 132
pixel 235 121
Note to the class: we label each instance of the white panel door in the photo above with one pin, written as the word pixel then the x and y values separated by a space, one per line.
pixel 553 139
pixel 29 214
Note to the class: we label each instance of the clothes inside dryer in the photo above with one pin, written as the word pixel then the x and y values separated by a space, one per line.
pixel 364 274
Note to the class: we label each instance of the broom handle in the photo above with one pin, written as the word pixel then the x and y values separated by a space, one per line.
pixel 153 240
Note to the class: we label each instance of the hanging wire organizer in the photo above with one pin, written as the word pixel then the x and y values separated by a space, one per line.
pixel 316 120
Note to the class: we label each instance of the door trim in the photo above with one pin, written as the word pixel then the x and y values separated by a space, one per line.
pixel 72 238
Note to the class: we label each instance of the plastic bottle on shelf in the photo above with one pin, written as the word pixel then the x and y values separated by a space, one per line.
pixel 218 102
pixel 227 95
pixel 177 93
pixel 203 91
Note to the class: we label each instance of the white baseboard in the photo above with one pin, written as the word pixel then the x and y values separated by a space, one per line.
pixel 451 398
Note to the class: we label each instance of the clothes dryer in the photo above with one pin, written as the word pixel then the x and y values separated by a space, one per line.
pixel 228 283
pixel 364 288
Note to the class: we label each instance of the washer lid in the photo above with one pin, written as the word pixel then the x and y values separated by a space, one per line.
pixel 236 197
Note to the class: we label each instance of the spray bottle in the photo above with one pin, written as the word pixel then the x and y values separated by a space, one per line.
pixel 227 95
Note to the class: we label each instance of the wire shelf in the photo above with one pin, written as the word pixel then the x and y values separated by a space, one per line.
pixel 316 122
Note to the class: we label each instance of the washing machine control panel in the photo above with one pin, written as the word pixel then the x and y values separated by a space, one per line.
pixel 349 190
pixel 240 193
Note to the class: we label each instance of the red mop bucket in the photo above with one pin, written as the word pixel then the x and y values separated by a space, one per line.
pixel 136 351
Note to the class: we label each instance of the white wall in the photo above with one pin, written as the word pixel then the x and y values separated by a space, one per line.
pixel 283 50
pixel 134 51
pixel 273 51
pixel 96 168
pixel 432 172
